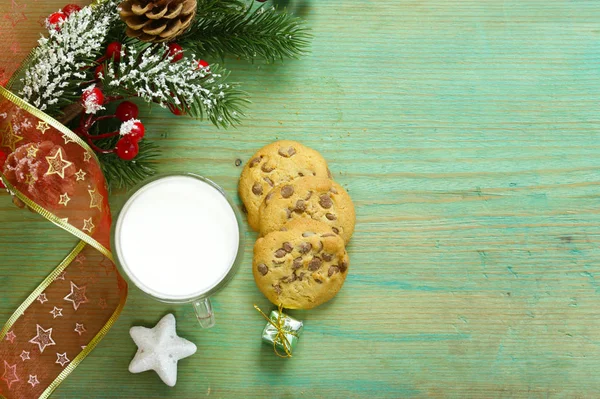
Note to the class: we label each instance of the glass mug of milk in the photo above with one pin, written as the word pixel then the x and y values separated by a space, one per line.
pixel 178 238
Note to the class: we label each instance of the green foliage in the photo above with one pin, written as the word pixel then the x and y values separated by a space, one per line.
pixel 262 33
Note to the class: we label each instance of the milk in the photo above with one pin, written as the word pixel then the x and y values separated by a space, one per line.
pixel 177 238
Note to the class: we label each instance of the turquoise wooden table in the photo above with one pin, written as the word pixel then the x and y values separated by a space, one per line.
pixel 468 134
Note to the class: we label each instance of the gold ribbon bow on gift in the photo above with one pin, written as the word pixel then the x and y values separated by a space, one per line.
pixel 281 332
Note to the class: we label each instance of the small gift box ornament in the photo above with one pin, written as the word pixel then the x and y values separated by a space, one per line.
pixel 282 331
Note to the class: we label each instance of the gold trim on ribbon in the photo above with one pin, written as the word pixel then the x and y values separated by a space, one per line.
pixel 85 240
pixel 38 291
pixel 89 347
pixel 56 220
pixel 19 102
pixel 83 354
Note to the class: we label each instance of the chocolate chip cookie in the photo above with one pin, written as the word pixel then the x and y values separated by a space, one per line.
pixel 276 163
pixel 308 197
pixel 302 266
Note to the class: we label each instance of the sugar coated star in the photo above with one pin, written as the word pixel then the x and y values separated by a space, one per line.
pixel 160 349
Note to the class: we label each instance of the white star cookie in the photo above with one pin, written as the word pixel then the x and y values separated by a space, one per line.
pixel 160 349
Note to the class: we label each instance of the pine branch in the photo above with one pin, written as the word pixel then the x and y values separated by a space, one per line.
pixel 146 71
pixel 210 8
pixel 259 34
pixel 60 64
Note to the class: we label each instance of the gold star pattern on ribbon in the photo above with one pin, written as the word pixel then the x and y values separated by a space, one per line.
pixel 32 151
pixel 42 126
pixel 64 199
pixel 87 156
pixel 57 164
pixel 10 374
pixel 80 175
pixel 64 220
pixel 95 199
pixel 88 225
pixel 43 338
pixel 68 139
pixel 10 138
pixel 30 180
pixel 77 296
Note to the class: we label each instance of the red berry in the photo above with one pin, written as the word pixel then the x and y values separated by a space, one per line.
pixel 113 50
pixel 137 131
pixel 55 19
pixel 175 110
pixel 175 51
pixel 202 64
pixel 92 97
pixel 70 9
pixel 98 71
pixel 126 111
pixel 127 149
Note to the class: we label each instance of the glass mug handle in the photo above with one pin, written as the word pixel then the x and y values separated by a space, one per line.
pixel 204 312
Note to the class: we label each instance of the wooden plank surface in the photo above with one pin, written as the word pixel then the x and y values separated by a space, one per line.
pixel 468 134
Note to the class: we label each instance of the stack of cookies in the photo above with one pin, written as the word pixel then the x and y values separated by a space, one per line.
pixel 305 220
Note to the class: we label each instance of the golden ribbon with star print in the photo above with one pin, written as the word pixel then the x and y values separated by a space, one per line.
pixel 51 171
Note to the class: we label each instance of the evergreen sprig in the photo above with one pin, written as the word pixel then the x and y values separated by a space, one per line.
pixel 64 63
pixel 262 33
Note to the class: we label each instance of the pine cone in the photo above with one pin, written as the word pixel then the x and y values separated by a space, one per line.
pixel 157 20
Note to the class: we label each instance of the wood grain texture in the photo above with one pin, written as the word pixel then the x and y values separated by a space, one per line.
pixel 467 133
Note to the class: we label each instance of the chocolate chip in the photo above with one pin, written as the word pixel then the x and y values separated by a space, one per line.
pixel 287 191
pixel 301 276
pixel 333 270
pixel 335 230
pixel 315 264
pixel 308 234
pixel 325 201
pixel 300 206
pixel 329 173
pixel 266 168
pixel 343 266
pixel 280 253
pixel 328 234
pixel 333 190
pixel 318 281
pixel 244 209
pixel 330 216
pixel 291 278
pixel 277 288
pixel 297 264
pixel 257 189
pixel 269 181
pixel 238 162
pixel 300 174
pixel 287 152
pixel 287 247
pixel 305 247
pixel 262 269
pixel 255 161
pixel 308 196
pixel 327 257
pixel 288 212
